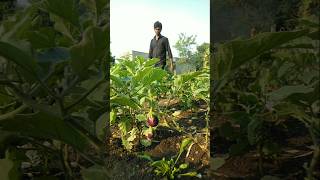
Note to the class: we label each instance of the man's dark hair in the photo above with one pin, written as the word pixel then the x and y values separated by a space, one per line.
pixel 157 25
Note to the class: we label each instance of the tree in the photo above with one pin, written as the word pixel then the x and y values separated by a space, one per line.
pixel 184 46
pixel 202 56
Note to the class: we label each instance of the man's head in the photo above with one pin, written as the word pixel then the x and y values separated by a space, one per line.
pixel 157 28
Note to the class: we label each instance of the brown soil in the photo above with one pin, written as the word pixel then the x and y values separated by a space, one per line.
pixel 166 143
pixel 288 164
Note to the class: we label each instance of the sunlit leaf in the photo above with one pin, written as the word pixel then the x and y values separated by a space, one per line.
pixel 94 45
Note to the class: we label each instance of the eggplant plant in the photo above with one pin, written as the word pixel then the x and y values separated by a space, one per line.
pixel 135 88
pixel 261 81
pixel 169 169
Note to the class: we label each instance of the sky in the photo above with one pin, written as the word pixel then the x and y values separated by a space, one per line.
pixel 131 22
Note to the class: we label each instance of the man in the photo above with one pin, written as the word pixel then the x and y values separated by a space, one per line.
pixel 159 46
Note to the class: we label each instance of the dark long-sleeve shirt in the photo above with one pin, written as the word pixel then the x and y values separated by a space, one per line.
pixel 158 49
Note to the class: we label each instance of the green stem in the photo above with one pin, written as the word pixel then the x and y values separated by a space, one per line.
pixel 207 129
pixel 13 113
pixel 85 95
pixel 314 162
pixel 96 142
pixel 316 153
pixel 175 162
pixel 8 105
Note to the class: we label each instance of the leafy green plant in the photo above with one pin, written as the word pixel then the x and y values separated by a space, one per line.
pixel 260 81
pixel 53 82
pixel 135 87
pixel 169 168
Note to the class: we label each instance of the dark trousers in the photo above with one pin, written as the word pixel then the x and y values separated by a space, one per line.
pixel 160 64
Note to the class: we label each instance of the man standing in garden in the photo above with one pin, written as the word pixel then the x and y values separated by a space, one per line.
pixel 159 46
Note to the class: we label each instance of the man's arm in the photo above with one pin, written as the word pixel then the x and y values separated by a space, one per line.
pixel 169 49
pixel 150 50
pixel 169 55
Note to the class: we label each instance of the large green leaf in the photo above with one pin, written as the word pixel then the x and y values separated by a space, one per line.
pixel 6 165
pixel 10 165
pixel 21 58
pixel 113 117
pixel 66 9
pixel 140 75
pixel 94 45
pixel 286 91
pixel 44 38
pixel 151 62
pixel 101 125
pixel 15 27
pixel 235 53
pixel 185 144
pixel 100 5
pixel 148 75
pixel 130 66
pixel 43 125
pixel 298 46
pixel 9 168
pixel 180 80
pixel 154 75
pixel 124 101
pixel 61 26
pixel 116 81
pixel 96 6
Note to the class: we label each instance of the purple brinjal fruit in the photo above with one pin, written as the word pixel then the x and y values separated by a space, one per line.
pixel 153 121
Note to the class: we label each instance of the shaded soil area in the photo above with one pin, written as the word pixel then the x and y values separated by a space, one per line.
pixel 296 151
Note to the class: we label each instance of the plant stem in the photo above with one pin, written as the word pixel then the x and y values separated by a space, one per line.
pixel 85 95
pixel 8 105
pixel 64 161
pixel 13 113
pixel 207 130
pixel 95 141
pixel 260 165
pixel 316 154
pixel 314 162
pixel 175 162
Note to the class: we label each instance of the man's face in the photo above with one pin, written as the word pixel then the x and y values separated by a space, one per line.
pixel 157 30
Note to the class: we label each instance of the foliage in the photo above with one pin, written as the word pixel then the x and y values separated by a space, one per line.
pixel 53 80
pixel 192 54
pixel 134 83
pixel 202 55
pixel 261 81
pixel 168 168
pixel 136 86
pixel 184 46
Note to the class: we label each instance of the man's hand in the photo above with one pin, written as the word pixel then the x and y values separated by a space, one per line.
pixel 171 65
